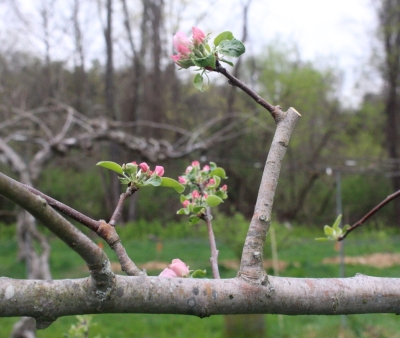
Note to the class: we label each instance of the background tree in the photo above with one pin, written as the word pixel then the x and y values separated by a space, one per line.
pixel 389 21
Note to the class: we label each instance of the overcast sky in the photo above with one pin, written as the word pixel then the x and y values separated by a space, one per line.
pixel 336 33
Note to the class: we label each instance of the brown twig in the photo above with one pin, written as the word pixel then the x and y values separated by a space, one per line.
pixel 240 84
pixel 118 210
pixel 370 214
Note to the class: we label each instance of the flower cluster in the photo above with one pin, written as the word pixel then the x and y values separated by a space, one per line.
pixel 204 189
pixel 140 174
pixel 197 52
pixel 176 269
pixel 189 48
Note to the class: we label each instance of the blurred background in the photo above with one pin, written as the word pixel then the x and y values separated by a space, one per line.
pixel 85 81
pixel 112 59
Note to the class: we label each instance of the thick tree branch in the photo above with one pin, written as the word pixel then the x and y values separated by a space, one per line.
pixel 103 229
pixel 200 297
pixel 95 258
pixel 251 267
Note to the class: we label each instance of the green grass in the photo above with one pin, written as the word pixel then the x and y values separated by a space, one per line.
pixel 297 247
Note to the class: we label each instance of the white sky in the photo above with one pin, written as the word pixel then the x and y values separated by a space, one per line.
pixel 336 33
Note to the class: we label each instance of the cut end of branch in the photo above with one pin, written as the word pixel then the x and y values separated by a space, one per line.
pixel 295 111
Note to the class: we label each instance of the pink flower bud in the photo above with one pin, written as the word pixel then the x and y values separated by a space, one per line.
pixel 179 268
pixel 210 182
pixel 182 180
pixel 144 166
pixel 196 164
pixel 180 39
pixel 168 273
pixel 188 169
pixel 195 194
pixel 186 203
pixel 159 170
pixel 224 187
pixel 198 35
pixel 206 168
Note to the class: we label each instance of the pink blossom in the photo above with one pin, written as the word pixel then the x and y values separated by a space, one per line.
pixel 144 166
pixel 206 168
pixel 180 39
pixel 196 164
pixel 211 182
pixel 168 273
pixel 188 169
pixel 195 194
pixel 224 187
pixel 198 35
pixel 182 180
pixel 134 163
pixel 180 268
pixel 159 170
pixel 186 203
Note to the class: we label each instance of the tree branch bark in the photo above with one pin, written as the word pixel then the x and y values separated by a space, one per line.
pixel 200 297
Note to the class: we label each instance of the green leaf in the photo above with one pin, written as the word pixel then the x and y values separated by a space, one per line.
pixel 232 47
pixel 194 219
pixel 208 61
pixel 183 211
pixel 198 82
pixel 226 61
pixel 218 172
pixel 336 225
pixel 213 200
pixel 124 180
pixel 321 239
pixel 111 165
pixel 197 209
pixel 198 274
pixel 221 194
pixel 154 181
pixel 227 35
pixel 171 183
pixel 329 232
pixel 182 198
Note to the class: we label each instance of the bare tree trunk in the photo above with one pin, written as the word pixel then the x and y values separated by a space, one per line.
pixel 79 60
pixel 389 17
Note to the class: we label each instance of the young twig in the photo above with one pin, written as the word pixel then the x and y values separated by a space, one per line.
pixel 118 210
pixel 240 84
pixel 213 245
pixel 370 214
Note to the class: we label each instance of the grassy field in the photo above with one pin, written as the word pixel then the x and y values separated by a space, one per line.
pixel 299 256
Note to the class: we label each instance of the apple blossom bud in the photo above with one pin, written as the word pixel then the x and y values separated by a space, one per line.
pixel 198 35
pixel 168 273
pixel 195 194
pixel 206 168
pixel 159 170
pixel 196 164
pixel 188 169
pixel 224 187
pixel 179 268
pixel 144 166
pixel 211 181
pixel 182 180
pixel 185 203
